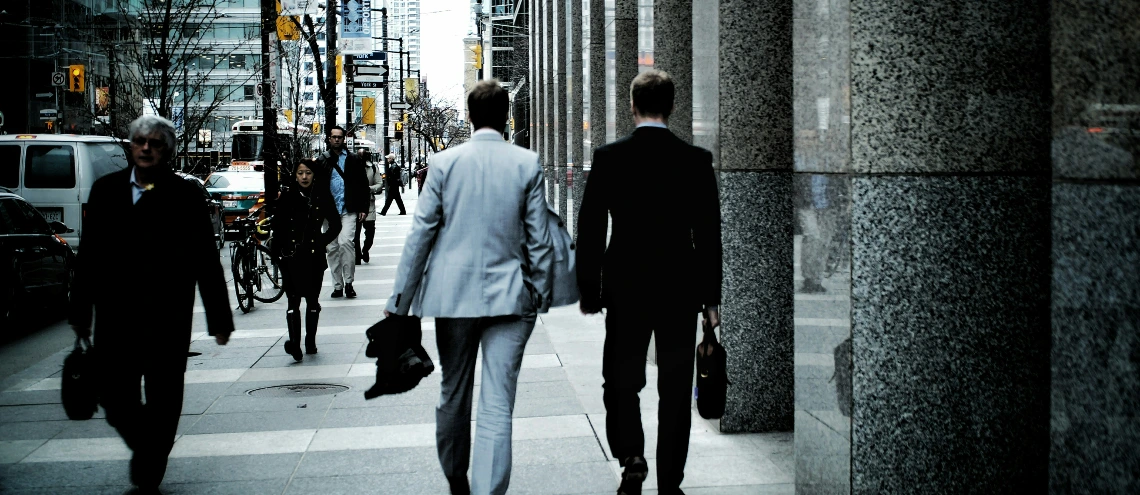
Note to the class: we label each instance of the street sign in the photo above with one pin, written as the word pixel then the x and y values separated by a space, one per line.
pixel 43 95
pixel 368 84
pixel 400 106
pixel 370 70
pixel 378 79
pixel 58 78
pixel 48 114
pixel 375 56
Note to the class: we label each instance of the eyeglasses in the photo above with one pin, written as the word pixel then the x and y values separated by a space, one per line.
pixel 153 143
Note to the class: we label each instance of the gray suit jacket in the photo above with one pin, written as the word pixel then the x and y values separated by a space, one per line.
pixel 479 244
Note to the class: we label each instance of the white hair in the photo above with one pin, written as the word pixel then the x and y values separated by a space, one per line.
pixel 150 124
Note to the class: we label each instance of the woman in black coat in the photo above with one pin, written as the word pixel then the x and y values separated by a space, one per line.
pixel 300 245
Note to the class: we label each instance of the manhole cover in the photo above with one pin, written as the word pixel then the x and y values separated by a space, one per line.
pixel 298 390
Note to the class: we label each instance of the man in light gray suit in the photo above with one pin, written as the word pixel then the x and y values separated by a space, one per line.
pixel 478 259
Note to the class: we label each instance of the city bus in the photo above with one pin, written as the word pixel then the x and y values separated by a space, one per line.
pixel 249 137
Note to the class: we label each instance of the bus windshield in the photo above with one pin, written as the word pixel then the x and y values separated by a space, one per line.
pixel 246 147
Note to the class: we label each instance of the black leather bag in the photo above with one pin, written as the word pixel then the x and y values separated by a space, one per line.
pixel 79 389
pixel 712 377
pixel 401 361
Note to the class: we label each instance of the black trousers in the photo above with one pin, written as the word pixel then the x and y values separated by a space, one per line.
pixel 369 227
pixel 623 370
pixel 393 194
pixel 148 429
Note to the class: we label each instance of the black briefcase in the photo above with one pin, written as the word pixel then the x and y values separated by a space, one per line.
pixel 79 388
pixel 401 361
pixel 712 377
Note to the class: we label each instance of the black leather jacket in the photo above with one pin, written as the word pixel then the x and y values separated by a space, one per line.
pixel 297 222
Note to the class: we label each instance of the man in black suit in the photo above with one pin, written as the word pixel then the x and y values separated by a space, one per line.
pixel 662 266
pixel 394 185
pixel 348 182
pixel 145 228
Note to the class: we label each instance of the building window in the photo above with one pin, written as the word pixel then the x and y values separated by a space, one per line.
pixel 249 92
pixel 309 81
pixel 309 96
pixel 308 66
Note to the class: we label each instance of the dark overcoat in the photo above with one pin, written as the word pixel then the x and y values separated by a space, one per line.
pixel 138 266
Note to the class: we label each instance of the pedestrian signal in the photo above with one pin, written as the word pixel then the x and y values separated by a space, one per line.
pixel 76 76
pixel 399 126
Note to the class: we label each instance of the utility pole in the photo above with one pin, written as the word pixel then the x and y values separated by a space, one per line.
pixel 268 108
pixel 331 12
pixel 349 104
pixel 387 101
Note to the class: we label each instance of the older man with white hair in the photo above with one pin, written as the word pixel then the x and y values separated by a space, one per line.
pixel 145 223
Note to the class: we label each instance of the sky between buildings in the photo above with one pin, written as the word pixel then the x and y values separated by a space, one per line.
pixel 443 25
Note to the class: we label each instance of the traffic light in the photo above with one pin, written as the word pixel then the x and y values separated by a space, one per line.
pixel 399 134
pixel 76 76
pixel 478 56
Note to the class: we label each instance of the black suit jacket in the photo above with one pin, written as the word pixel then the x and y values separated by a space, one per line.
pixel 138 265
pixel 356 192
pixel 665 247
pixel 394 175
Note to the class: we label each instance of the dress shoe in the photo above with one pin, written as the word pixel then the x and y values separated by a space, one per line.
pixel 357 261
pixel 636 470
pixel 459 485
pixel 348 291
pixel 338 293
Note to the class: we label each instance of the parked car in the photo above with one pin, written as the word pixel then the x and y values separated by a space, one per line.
pixel 54 172
pixel 214 206
pixel 239 192
pixel 36 262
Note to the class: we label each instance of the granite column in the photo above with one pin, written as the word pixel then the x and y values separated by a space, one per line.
pixel 756 204
pixel 673 53
pixel 577 83
pixel 1096 266
pixel 597 74
pixel 949 231
pixel 625 59
pixel 551 75
pixel 561 118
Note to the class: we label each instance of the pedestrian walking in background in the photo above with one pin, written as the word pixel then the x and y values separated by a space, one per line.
pixel 421 174
pixel 298 242
pixel 484 274
pixel 136 221
pixel 375 185
pixel 394 185
pixel 348 183
pixel 661 267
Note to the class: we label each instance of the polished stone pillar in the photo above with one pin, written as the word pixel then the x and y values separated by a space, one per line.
pixel 673 53
pixel 625 57
pixel 551 75
pixel 950 157
pixel 561 118
pixel 597 74
pixel 540 80
pixel 756 203
pixel 1096 238
pixel 577 84
pixel 532 77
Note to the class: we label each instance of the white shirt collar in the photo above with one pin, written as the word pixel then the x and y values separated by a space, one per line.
pixel 652 124
pixel 485 130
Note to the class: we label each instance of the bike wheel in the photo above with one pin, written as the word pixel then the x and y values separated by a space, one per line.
pixel 268 284
pixel 242 282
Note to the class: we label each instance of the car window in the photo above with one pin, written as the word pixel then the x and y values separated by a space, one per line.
pixel 10 166
pixel 14 219
pixel 105 158
pixel 49 167
pixel 254 182
pixel 37 224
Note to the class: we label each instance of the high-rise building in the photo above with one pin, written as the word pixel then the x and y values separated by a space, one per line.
pixel 404 22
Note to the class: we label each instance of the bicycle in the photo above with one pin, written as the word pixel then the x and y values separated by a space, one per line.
pixel 257 272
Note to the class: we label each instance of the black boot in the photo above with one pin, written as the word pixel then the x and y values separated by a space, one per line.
pixel 293 345
pixel 311 319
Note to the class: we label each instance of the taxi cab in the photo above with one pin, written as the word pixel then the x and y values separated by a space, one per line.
pixel 239 191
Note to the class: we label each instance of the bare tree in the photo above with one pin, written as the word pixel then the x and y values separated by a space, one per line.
pixel 436 121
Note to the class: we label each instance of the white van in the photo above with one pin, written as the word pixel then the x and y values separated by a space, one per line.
pixel 54 172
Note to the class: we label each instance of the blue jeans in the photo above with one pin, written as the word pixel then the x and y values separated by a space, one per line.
pixel 503 339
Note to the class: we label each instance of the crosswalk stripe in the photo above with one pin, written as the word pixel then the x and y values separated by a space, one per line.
pixel 285 441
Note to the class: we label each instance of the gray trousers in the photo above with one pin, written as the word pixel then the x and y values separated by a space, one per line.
pixel 342 252
pixel 503 339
